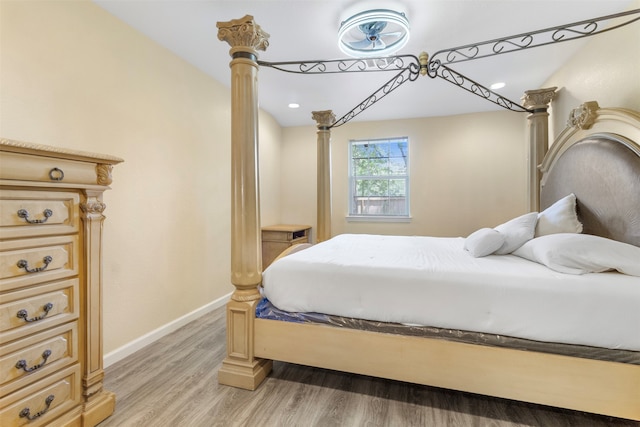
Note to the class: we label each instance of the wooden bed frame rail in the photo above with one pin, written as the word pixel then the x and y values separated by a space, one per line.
pixel 568 382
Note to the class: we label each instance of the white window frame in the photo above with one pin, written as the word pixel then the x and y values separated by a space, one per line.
pixel 353 213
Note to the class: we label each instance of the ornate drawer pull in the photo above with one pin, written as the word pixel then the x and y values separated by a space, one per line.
pixel 22 314
pixel 23 263
pixel 23 213
pixel 26 412
pixel 56 174
pixel 22 364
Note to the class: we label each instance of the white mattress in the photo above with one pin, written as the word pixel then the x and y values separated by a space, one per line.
pixel 433 281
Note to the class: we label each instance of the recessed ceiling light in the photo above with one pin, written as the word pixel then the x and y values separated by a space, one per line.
pixel 294 105
pixel 377 32
pixel 498 85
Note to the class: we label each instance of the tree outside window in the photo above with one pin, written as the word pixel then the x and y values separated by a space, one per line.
pixel 379 177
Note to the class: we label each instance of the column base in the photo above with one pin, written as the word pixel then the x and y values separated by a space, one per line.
pixel 100 408
pixel 244 375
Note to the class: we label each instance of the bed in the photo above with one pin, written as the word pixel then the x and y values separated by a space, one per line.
pixel 368 277
pixel 596 159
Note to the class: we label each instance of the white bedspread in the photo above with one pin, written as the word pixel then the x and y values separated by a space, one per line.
pixel 433 281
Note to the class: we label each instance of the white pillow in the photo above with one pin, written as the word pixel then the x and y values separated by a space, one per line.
pixel 560 217
pixel 516 232
pixel 581 253
pixel 483 242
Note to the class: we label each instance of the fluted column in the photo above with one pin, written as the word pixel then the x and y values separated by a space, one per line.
pixel 98 403
pixel 324 119
pixel 538 139
pixel 240 368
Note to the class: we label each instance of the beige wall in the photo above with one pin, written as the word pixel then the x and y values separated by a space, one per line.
pixel 467 172
pixel 74 76
pixel 606 70
pixel 270 161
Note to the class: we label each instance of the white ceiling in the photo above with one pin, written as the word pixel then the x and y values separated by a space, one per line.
pixel 307 29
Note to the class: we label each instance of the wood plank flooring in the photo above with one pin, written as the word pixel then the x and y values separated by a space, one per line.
pixel 173 383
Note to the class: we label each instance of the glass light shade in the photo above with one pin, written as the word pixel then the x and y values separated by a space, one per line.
pixel 378 32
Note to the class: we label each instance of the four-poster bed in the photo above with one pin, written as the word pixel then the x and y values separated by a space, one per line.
pixel 580 383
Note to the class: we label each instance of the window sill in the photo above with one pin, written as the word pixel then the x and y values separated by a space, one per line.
pixel 377 218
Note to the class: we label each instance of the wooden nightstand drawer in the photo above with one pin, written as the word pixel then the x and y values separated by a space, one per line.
pixel 43 401
pixel 31 261
pixel 38 213
pixel 27 360
pixel 35 309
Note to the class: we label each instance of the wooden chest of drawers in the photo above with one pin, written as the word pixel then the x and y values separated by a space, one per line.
pixel 51 218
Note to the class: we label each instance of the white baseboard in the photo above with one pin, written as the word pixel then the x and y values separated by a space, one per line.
pixel 135 345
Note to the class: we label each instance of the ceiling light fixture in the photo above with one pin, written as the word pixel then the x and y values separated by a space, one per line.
pixel 294 105
pixel 378 32
pixel 498 85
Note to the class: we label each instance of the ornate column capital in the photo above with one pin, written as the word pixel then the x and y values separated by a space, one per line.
pixel 243 33
pixel 538 99
pixel 584 116
pixel 324 118
pixel 93 207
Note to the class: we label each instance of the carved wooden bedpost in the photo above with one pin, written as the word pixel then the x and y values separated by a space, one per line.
pixel 240 368
pixel 324 119
pixel 538 101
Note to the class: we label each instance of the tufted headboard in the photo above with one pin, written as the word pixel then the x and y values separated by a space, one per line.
pixel 597 157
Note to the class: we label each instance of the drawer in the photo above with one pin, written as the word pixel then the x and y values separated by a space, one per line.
pixel 44 401
pixel 38 213
pixel 25 167
pixel 37 308
pixel 28 360
pixel 31 261
pixel 276 236
pixel 286 233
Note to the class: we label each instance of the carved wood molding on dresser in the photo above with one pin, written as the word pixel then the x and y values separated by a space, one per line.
pixel 51 215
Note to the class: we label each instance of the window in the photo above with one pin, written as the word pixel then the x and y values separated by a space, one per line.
pixel 379 178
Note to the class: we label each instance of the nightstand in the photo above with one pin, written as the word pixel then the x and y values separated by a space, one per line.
pixel 277 238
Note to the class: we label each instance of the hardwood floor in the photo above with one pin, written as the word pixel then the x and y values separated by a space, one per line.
pixel 173 383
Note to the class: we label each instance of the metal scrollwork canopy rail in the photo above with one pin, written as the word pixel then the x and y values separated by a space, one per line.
pixel 409 67
pixel 557 34
pixel 408 74
pixel 351 65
